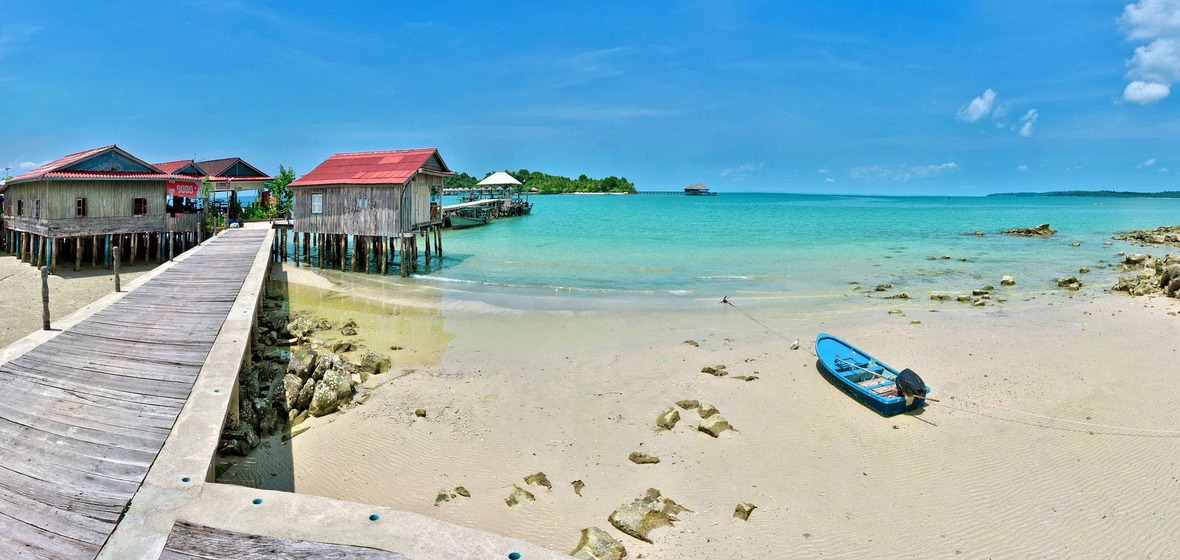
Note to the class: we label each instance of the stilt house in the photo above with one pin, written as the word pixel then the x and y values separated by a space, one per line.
pixel 376 198
pixel 82 205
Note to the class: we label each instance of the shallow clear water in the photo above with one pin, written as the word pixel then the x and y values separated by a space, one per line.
pixel 782 247
pixel 774 246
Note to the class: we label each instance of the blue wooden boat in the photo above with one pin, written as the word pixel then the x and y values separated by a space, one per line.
pixel 862 376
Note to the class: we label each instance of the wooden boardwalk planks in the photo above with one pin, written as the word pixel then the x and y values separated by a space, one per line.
pixel 189 541
pixel 83 416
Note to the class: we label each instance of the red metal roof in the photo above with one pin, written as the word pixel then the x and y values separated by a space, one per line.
pixel 57 169
pixel 392 167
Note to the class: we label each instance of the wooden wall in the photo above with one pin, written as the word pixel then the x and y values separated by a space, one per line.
pixel 110 208
pixel 423 185
pixel 391 210
pixel 342 213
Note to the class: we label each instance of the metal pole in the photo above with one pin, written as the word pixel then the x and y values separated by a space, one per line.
pixel 45 297
pixel 115 265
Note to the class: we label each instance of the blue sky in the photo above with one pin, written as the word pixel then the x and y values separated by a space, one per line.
pixel 922 97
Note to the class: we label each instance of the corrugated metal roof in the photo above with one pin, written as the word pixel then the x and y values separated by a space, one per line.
pixel 393 167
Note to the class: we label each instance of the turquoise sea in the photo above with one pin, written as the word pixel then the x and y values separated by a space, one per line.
pixel 782 248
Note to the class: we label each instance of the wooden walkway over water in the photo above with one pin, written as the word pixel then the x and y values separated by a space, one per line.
pixel 108 433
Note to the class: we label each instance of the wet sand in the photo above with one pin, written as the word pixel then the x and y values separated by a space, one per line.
pixel 1055 435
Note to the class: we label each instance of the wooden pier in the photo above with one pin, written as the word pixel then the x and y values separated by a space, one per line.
pixel 109 426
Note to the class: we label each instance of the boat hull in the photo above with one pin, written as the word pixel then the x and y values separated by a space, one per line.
pixel 459 221
pixel 861 376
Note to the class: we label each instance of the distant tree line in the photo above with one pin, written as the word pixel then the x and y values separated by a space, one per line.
pixel 1102 194
pixel 550 184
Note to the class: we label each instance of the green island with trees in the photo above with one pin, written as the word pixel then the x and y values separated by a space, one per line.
pixel 551 184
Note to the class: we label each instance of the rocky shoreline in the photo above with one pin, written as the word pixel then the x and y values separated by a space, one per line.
pixel 1154 275
pixel 295 375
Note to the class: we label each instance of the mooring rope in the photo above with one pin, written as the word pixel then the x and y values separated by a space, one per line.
pixel 793 340
pixel 811 349
pixel 1055 419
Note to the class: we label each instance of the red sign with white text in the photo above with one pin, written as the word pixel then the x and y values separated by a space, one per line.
pixel 184 189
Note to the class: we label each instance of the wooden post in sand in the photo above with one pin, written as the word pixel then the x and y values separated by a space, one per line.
pixel 115 267
pixel 45 297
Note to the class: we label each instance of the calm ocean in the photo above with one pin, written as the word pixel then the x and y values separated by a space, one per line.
pixel 782 248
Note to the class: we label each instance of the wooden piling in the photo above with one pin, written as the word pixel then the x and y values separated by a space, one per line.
pixel 356 252
pixel 414 248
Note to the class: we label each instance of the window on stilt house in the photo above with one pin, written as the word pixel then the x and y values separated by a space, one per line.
pixel 80 208
pixel 140 207
pixel 317 203
pixel 20 208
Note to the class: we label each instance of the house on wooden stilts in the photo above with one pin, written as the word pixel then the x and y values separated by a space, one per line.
pixel 370 206
pixel 78 208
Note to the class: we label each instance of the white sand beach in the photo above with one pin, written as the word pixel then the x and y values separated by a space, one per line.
pixel 1056 434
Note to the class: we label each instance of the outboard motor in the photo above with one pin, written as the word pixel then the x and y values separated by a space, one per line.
pixel 909 385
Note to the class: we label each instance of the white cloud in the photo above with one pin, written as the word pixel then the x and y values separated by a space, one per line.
pixel 823 171
pixel 1144 93
pixel 1148 163
pixel 1022 168
pixel 1148 19
pixel 1155 66
pixel 1158 62
pixel 1027 122
pixel 829 180
pixel 1164 170
pixel 742 171
pixel 29 165
pixel 978 108
pixel 900 172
